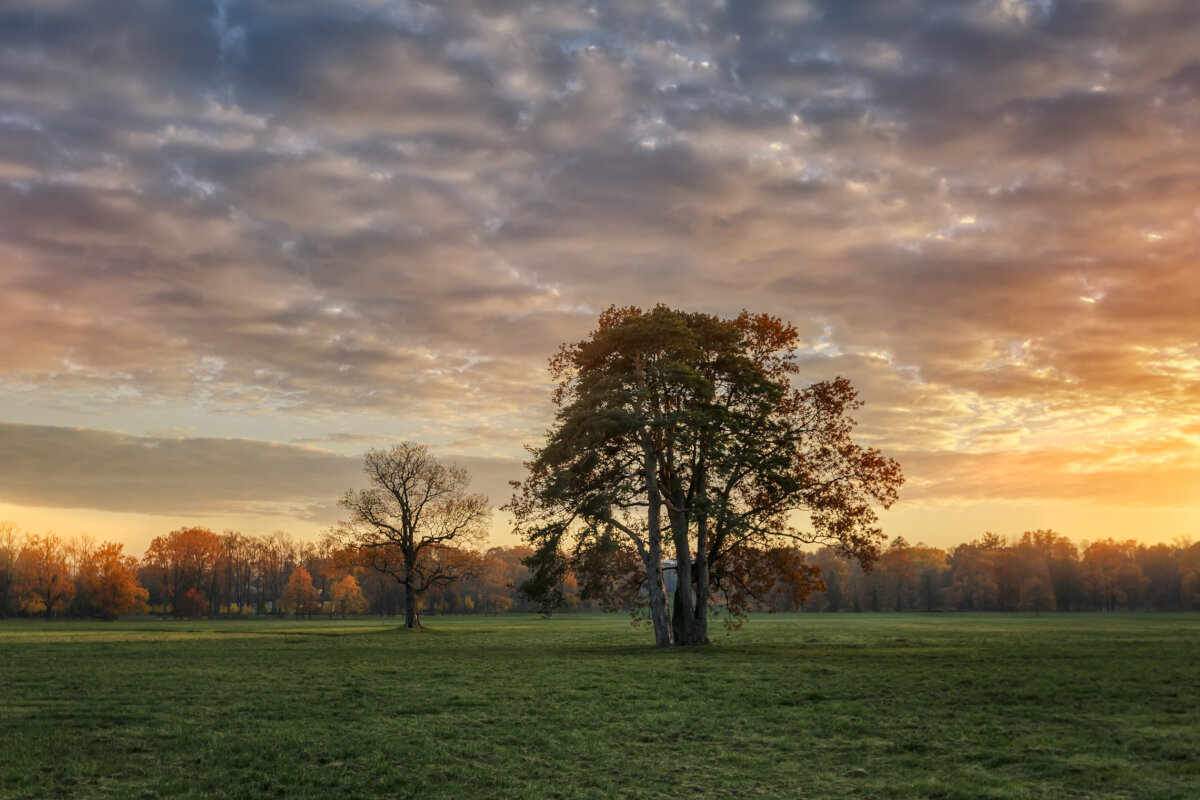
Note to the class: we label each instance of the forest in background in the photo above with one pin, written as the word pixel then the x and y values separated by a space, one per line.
pixel 197 573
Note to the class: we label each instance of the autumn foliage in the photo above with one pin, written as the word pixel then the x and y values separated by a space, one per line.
pixel 679 437
pixel 111 583
pixel 300 597
pixel 347 597
pixel 184 563
pixel 1039 571
pixel 44 583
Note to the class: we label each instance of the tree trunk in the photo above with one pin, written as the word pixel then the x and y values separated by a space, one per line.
pixel 678 626
pixel 411 618
pixel 683 621
pixel 653 556
pixel 658 597
pixel 698 630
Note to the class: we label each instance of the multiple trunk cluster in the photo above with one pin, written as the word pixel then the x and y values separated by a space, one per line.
pixel 679 435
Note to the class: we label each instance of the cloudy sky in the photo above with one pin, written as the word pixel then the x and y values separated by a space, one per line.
pixel 241 242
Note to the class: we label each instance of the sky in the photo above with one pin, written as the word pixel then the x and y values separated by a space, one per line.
pixel 243 242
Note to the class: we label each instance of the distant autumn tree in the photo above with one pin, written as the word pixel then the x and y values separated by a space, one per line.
pixel 185 563
pixel 79 550
pixel 191 605
pixel 1189 573
pixel 276 556
pixel 112 583
pixel 1161 564
pixel 932 566
pixel 347 597
pixel 417 521
pixel 299 595
pixel 895 580
pixel 1037 594
pixel 316 557
pixel 1110 574
pixel 238 563
pixel 11 543
pixel 973 583
pixel 1060 557
pixel 493 587
pixel 841 579
pixel 680 434
pixel 44 582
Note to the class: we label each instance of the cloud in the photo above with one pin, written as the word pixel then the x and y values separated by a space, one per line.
pixel 109 471
pixel 983 212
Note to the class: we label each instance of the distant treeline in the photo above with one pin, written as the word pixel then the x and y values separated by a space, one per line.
pixel 1039 571
pixel 195 572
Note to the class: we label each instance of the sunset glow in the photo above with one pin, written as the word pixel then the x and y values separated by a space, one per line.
pixel 241 243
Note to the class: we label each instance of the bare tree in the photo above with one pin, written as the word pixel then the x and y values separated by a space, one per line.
pixel 238 560
pixel 417 522
pixel 276 560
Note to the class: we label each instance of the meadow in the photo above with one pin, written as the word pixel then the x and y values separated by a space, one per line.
pixel 808 706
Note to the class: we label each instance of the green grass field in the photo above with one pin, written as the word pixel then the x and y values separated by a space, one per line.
pixel 880 706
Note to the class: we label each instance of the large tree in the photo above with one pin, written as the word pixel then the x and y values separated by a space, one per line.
pixel 416 522
pixel 680 433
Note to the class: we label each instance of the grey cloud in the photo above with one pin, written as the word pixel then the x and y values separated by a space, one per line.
pixel 1073 119
pixel 402 209
pixel 170 48
pixel 79 468
pixel 109 471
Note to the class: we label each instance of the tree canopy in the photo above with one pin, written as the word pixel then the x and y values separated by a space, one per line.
pixel 680 434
